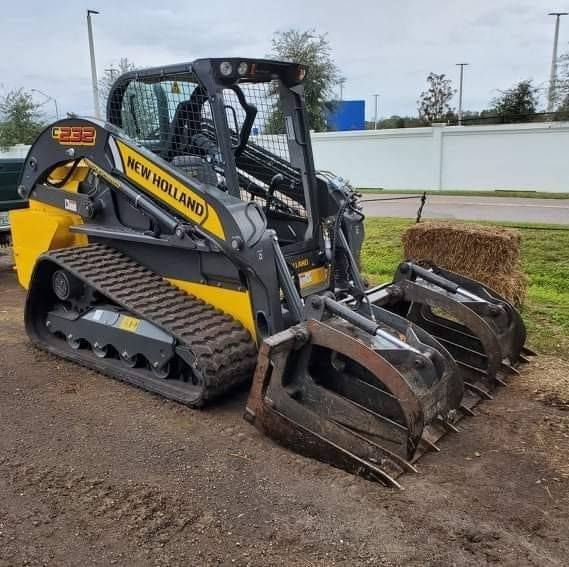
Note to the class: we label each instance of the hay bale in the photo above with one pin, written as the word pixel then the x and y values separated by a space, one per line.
pixel 490 255
pixel 513 286
pixel 465 248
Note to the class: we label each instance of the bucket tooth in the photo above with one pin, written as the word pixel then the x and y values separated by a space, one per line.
pixel 448 425
pixel 478 390
pixel 528 351
pixel 509 369
pixel 430 444
pixel 467 411
pixel 501 382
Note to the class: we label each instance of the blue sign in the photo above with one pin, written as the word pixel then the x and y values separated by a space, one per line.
pixel 347 115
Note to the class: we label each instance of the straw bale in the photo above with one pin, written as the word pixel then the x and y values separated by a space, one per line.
pixel 490 255
pixel 465 248
pixel 513 286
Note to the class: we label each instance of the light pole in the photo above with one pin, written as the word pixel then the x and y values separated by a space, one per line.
pixel 376 97
pixel 342 82
pixel 553 75
pixel 111 71
pixel 93 66
pixel 462 66
pixel 48 98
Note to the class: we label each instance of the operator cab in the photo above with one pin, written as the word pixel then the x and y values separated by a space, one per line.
pixel 233 125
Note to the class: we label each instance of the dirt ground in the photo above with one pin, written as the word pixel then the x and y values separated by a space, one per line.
pixel 94 472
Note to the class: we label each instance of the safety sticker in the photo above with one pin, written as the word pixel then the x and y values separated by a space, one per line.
pixel 127 323
pixel 71 205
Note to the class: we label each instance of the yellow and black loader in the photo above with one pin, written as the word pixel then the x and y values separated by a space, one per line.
pixel 187 244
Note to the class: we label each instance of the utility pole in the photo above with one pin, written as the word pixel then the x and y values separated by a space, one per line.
pixel 553 75
pixel 96 104
pixel 376 97
pixel 111 71
pixel 462 66
pixel 48 98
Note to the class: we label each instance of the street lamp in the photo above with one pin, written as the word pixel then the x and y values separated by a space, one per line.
pixel 48 98
pixel 111 71
pixel 462 66
pixel 376 97
pixel 553 74
pixel 93 66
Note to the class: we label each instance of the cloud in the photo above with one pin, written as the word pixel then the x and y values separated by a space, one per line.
pixel 382 47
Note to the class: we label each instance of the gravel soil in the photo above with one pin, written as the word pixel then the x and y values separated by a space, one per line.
pixel 95 472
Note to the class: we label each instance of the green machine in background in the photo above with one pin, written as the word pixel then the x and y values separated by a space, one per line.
pixel 10 169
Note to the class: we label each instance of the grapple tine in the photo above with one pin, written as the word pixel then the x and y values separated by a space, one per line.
pixel 430 444
pixel 467 410
pixel 478 390
pixel 508 369
pixel 528 351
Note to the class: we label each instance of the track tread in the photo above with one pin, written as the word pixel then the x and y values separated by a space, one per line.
pixel 224 350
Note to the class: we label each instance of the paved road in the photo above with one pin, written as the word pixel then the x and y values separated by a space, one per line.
pixel 550 211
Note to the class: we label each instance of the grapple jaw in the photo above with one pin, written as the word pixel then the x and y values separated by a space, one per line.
pixel 328 390
pixel 483 332
pixel 370 385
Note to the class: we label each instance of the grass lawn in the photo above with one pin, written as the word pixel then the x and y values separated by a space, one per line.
pixel 545 258
pixel 525 194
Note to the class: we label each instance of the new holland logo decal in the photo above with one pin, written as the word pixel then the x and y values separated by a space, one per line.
pixel 160 181
pixel 169 189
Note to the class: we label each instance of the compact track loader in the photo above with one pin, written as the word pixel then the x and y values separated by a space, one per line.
pixel 187 245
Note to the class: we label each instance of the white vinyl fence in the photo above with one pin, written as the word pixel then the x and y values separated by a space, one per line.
pixel 533 157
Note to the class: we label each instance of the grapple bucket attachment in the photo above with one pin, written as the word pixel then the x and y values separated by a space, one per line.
pixel 370 385
pixel 370 404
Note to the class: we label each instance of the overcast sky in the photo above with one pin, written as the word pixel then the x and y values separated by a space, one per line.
pixel 385 47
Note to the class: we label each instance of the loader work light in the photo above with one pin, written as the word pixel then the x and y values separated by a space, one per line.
pixel 226 68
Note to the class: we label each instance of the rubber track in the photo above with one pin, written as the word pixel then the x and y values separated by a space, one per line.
pixel 225 353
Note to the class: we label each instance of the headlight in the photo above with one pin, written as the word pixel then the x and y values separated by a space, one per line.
pixel 243 68
pixel 226 68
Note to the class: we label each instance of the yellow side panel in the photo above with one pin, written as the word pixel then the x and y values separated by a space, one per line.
pixel 169 190
pixel 230 301
pixel 37 230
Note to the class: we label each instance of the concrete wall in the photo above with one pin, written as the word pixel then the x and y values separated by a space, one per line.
pixel 531 157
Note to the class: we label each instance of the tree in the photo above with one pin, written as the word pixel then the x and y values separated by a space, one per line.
pixel 20 119
pixel 312 50
pixel 110 76
pixel 434 103
pixel 396 121
pixel 518 103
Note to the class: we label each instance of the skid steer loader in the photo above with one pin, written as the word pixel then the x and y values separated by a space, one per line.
pixel 187 245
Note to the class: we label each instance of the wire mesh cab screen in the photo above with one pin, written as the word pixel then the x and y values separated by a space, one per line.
pixel 174 119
